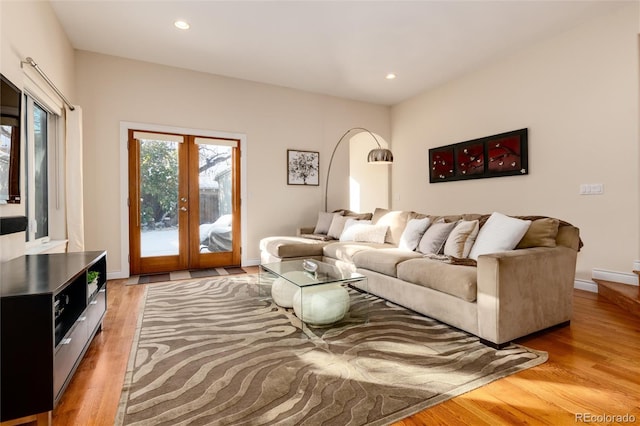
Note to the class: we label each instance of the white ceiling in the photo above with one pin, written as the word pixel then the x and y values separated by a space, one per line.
pixel 341 48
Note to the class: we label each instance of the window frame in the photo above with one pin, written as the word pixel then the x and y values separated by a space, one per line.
pixel 54 136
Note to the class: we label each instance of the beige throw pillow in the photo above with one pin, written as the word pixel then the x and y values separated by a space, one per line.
pixel 461 238
pixel 337 225
pixel 435 236
pixel 541 233
pixel 395 220
pixel 324 222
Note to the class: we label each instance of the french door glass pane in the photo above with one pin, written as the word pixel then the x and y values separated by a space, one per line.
pixel 158 198
pixel 216 197
pixel 41 190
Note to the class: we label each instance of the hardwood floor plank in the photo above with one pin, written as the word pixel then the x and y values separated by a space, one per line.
pixel 593 368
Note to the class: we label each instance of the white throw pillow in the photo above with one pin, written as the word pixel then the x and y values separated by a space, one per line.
pixel 500 233
pixel 413 233
pixel 370 233
pixel 461 239
pixel 350 228
pixel 324 222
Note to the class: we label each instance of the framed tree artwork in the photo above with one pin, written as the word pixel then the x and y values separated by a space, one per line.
pixel 303 167
pixel 505 154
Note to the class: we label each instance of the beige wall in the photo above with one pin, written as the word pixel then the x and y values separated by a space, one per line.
pixel 273 119
pixel 577 93
pixel 31 29
pixel 370 183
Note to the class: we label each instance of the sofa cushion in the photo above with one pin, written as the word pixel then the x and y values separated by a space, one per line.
pixel 285 247
pixel 384 261
pixel 345 251
pixel 456 280
pixel 357 216
pixel 451 218
pixel 541 233
pixel 320 237
pixel 569 236
pixel 395 220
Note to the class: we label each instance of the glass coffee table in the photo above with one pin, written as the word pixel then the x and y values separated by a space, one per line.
pixel 320 294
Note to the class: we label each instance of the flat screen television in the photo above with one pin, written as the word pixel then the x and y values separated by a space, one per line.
pixel 10 119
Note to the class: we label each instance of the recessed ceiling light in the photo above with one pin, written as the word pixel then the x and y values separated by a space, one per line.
pixel 183 25
pixel 390 76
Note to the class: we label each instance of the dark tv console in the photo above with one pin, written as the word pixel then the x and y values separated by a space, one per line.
pixel 49 314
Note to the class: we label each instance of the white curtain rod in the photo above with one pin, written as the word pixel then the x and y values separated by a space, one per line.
pixel 31 62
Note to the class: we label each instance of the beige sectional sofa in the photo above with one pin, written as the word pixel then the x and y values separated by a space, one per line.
pixel 498 296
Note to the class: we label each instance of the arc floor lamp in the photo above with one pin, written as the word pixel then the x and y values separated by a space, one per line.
pixel 377 155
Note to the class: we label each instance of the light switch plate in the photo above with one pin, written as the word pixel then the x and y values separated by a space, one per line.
pixel 597 188
pixel 591 189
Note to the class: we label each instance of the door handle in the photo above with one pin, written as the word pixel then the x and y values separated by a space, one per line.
pixel 183 199
pixel 183 208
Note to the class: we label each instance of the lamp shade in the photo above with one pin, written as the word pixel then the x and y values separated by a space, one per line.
pixel 380 156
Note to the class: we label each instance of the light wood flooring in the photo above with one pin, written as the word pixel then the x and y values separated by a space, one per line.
pixel 593 369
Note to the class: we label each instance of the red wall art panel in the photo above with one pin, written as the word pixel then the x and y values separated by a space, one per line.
pixel 504 154
pixel 470 159
pixel 442 164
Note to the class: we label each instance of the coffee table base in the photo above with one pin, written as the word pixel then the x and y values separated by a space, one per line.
pixel 322 305
pixel 319 307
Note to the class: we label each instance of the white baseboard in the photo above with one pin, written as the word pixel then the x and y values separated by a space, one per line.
pixel 615 276
pixel 586 285
pixel 118 275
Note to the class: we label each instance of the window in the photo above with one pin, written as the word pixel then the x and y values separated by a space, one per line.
pixel 41 141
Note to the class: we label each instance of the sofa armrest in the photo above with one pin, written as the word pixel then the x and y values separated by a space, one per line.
pixel 524 291
pixel 305 230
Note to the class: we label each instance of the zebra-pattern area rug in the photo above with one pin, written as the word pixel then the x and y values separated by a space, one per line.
pixel 212 352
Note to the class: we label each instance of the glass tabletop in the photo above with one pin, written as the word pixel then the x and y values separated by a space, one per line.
pixel 300 272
